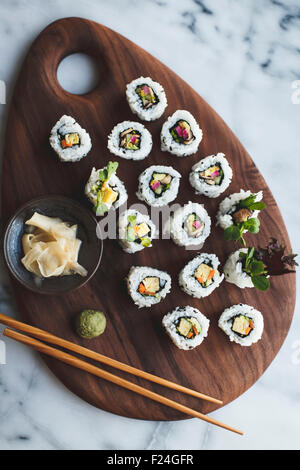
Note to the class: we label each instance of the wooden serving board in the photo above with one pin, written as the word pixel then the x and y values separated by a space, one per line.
pixel 30 169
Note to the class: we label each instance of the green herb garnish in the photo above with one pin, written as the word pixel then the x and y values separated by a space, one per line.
pixel 131 220
pixel 235 231
pixel 130 232
pixel 108 171
pixel 256 269
pixel 104 175
pixel 270 261
pixel 100 207
pixel 249 203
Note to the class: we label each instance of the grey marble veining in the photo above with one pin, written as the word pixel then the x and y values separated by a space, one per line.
pixel 242 57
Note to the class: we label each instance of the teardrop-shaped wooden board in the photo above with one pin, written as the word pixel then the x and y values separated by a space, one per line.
pixel 135 336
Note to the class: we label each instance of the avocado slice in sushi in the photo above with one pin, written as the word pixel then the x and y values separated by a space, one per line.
pixel 159 176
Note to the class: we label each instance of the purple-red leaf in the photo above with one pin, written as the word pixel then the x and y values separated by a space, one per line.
pixel 275 259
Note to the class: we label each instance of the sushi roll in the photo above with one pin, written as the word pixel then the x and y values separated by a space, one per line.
pixel 233 209
pixel 190 225
pixel 136 231
pixel 146 98
pixel 158 185
pixel 105 190
pixel 180 134
pixel 186 326
pixel 69 140
pixel 200 277
pixel 233 270
pixel 130 140
pixel 147 286
pixel 242 323
pixel 211 176
pixel 249 267
pixel 238 213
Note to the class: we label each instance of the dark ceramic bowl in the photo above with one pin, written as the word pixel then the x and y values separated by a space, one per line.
pixel 69 211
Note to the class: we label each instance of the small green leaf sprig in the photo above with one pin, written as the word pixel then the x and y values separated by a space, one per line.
pixel 262 263
pixel 235 231
pixel 255 269
pixel 104 175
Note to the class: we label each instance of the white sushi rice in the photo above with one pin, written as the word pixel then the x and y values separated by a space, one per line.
pixel 199 184
pixel 177 231
pixel 146 194
pixel 170 320
pixel 145 143
pixel 114 182
pixel 170 145
pixel 136 275
pixel 135 103
pixel 224 219
pixel 68 125
pixel 225 323
pixel 189 283
pixel 133 247
pixel 233 270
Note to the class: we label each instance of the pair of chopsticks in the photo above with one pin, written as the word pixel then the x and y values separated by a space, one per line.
pixel 87 367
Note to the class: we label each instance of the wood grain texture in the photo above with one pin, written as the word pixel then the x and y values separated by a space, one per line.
pixel 30 169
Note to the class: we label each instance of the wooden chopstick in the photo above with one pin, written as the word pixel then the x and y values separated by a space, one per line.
pixel 85 366
pixel 49 338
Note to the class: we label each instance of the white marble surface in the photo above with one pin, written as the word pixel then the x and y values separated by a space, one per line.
pixel 242 57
